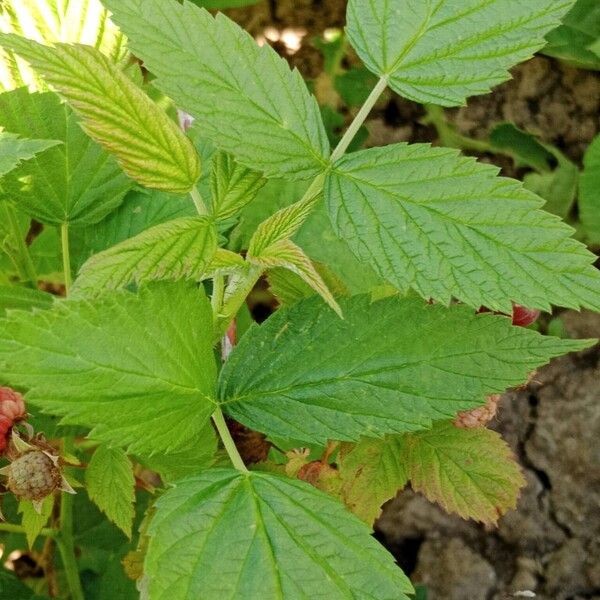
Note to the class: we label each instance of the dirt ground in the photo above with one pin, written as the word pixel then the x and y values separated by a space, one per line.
pixel 549 548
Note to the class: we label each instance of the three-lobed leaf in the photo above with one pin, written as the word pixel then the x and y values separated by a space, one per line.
pixel 391 366
pixel 136 371
pixel 179 249
pixel 274 538
pixel 110 484
pixel 447 226
pixel 443 51
pixel 75 182
pixel 116 113
pixel 250 103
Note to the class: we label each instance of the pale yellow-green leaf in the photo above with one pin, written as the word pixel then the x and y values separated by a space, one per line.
pixel 179 249
pixel 33 521
pixel 116 113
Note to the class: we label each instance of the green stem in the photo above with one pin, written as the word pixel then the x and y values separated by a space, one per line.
pixel 10 528
pixel 64 539
pixel 360 119
pixel 24 264
pixel 66 256
pixel 217 294
pixel 448 135
pixel 228 443
pixel 198 202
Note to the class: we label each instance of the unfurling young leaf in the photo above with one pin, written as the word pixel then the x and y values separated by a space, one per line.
pixel 392 366
pixel 274 537
pixel 75 182
pixel 49 21
pixel 149 146
pixel 443 51
pixel 110 485
pixel 249 101
pixel 178 249
pixel 447 226
pixel 123 354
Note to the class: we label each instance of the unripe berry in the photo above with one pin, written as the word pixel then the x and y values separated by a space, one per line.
pixel 33 476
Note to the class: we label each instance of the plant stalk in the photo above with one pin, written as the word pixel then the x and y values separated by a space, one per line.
pixel 66 255
pixel 198 202
pixel 10 528
pixel 228 443
pixel 64 539
pixel 217 294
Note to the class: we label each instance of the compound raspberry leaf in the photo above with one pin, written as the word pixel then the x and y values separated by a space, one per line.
pixel 75 182
pixel 48 21
pixel 250 103
pixel 447 226
pixel 394 365
pixel 110 484
pixel 178 249
pixel 471 472
pixel 274 538
pixel 116 113
pixel 371 473
pixel 121 355
pixel 443 51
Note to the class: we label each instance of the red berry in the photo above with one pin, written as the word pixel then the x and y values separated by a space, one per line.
pixel 12 405
pixel 522 317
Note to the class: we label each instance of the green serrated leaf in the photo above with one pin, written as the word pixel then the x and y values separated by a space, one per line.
pixel 110 485
pixel 178 249
pixel 116 113
pixel 13 150
pixel 48 21
pixel 218 4
pixel 123 354
pixel 394 365
pixel 447 226
pixel 233 186
pixel 443 51
pixel 589 192
pixel 471 472
pixel 20 298
pixel 33 521
pixel 274 537
pixel 249 101
pixel 76 182
pixel 577 39
pixel 372 472
pixel 197 456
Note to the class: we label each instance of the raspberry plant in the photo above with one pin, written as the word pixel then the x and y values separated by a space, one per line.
pixel 378 370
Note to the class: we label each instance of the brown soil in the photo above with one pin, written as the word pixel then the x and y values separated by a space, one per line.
pixel 549 546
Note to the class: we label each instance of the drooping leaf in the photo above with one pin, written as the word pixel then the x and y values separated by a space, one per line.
pixel 33 521
pixel 76 182
pixel 443 51
pixel 471 472
pixel 141 210
pixel 110 485
pixel 447 226
pixel 116 113
pixel 391 366
pixel 371 473
pixel 589 192
pixel 178 249
pixel 123 354
pixel 577 39
pixel 274 537
pixel 233 186
pixel 48 21
pixel 14 150
pixel 250 103
pixel 13 297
